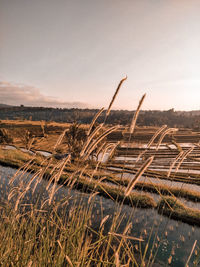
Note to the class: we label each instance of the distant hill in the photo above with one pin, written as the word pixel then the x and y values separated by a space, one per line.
pixel 5 106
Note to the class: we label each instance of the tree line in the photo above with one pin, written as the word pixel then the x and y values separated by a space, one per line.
pixel 190 119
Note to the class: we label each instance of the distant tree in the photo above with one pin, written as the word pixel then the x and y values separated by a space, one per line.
pixel 75 137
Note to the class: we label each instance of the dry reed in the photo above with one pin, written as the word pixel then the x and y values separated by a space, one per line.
pixel 163 135
pixel 59 140
pixel 126 237
pixel 156 135
pixel 98 140
pixel 90 137
pixel 174 162
pixel 104 220
pixel 94 120
pixel 114 96
pixel 92 196
pixel 133 123
pixel 193 247
pixel 151 141
pixel 185 154
pixel 138 175
pixel 57 177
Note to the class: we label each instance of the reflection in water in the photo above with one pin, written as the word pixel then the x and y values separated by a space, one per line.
pixel 9 147
pixel 167 235
pixel 42 152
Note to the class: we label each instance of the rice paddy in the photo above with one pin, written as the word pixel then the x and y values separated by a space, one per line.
pixel 100 195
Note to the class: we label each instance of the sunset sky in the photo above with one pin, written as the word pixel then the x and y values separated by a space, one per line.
pixel 70 53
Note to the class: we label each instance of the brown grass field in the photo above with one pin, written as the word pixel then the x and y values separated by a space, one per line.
pixel 142 167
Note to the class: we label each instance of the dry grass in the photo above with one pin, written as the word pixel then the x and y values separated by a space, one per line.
pixel 114 96
pixel 133 123
pixel 36 123
pixel 172 207
pixel 64 233
pixel 138 175
pixel 14 158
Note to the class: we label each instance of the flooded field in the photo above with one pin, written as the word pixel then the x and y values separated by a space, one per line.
pixel 166 237
pixel 122 185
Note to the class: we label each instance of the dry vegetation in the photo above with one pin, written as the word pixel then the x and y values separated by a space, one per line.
pixel 64 233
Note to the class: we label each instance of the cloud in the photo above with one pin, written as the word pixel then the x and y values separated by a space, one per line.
pixel 16 94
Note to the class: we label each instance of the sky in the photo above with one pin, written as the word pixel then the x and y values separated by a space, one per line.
pixel 73 53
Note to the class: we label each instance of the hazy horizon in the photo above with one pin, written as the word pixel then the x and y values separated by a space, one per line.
pixel 74 53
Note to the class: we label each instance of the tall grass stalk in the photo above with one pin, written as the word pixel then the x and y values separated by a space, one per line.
pixel 163 135
pixel 193 247
pixel 114 96
pixel 151 141
pixel 174 163
pixel 89 139
pixel 133 123
pixel 138 175
pixel 69 232
pixel 94 120
pixel 182 158
pixel 94 144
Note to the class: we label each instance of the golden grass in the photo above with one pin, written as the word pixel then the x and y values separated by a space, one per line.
pixel 94 120
pixel 167 131
pixel 151 141
pixel 133 123
pixel 172 207
pixel 42 235
pixel 14 158
pixel 138 175
pixel 36 123
pixel 84 183
pixel 115 95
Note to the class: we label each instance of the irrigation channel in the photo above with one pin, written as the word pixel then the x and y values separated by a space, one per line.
pixel 171 237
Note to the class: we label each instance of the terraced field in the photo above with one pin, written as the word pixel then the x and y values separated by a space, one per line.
pixel 155 177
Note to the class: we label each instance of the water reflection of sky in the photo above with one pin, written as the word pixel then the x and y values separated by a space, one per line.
pixel 174 236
